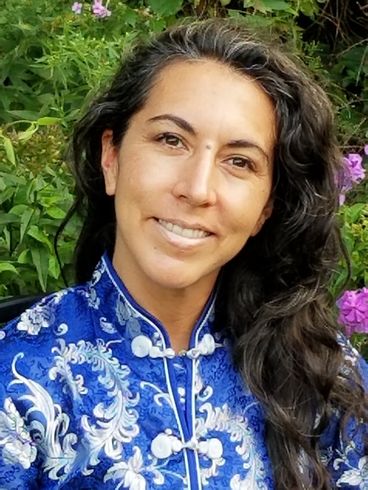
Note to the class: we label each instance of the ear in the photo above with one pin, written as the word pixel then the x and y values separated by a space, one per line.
pixel 266 213
pixel 109 162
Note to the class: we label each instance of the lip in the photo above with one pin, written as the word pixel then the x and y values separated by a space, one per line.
pixel 185 224
pixel 182 243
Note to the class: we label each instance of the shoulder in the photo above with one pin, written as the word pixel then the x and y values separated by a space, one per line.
pixel 34 333
pixel 343 444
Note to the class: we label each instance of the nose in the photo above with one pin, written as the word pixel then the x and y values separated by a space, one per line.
pixel 196 180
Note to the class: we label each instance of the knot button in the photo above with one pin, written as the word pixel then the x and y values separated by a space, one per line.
pixel 141 346
pixel 165 445
pixel 212 448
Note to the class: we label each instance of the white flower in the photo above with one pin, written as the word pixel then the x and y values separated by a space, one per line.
pixel 128 472
pixel 17 442
pixel 31 321
pixel 21 452
pixel 356 476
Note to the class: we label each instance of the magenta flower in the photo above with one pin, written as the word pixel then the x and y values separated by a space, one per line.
pixel 353 306
pixel 77 8
pixel 100 10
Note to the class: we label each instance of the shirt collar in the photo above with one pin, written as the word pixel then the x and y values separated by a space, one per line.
pixel 121 312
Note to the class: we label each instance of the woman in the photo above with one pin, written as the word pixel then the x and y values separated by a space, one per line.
pixel 201 350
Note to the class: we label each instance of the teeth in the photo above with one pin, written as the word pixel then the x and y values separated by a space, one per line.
pixel 185 232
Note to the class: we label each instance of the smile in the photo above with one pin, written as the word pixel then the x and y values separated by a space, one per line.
pixel 184 232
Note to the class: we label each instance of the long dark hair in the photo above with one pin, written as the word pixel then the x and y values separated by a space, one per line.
pixel 273 296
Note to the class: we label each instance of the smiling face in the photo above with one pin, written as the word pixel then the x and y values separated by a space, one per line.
pixel 192 177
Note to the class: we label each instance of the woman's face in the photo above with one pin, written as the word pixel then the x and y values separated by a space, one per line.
pixel 193 175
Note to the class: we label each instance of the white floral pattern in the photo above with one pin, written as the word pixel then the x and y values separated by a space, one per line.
pixel 130 472
pixel 15 437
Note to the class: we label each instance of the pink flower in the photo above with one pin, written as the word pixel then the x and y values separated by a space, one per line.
pixel 100 10
pixel 351 174
pixel 77 8
pixel 353 314
pixel 355 167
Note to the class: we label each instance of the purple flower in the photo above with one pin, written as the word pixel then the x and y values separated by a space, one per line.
pixel 354 164
pixel 77 8
pixel 353 306
pixel 100 10
pixel 352 173
pixel 366 149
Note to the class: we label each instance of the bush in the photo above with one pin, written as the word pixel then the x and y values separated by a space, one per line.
pixel 35 196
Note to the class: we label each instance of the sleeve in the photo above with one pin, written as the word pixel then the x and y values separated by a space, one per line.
pixel 18 452
pixel 346 455
pixel 18 456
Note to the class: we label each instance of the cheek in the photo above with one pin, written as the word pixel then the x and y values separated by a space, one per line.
pixel 244 215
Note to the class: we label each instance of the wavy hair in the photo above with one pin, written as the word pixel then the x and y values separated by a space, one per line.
pixel 273 296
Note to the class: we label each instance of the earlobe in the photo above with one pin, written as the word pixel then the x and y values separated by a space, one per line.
pixel 109 162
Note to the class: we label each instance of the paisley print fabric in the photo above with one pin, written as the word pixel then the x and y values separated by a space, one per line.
pixel 92 395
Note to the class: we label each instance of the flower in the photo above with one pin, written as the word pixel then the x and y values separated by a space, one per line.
pixel 352 173
pixel 100 10
pixel 18 447
pixel 128 472
pixel 77 8
pixel 353 313
pixel 356 476
pixel 353 163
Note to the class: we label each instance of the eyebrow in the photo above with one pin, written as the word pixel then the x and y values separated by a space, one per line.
pixel 183 124
pixel 247 144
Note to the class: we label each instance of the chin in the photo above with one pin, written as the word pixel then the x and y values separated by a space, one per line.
pixel 174 280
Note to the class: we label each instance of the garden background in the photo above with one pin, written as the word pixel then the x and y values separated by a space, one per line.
pixel 54 55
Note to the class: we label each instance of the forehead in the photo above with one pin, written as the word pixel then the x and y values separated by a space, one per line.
pixel 212 97
pixel 189 76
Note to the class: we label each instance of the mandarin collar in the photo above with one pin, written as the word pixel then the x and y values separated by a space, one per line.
pixel 122 314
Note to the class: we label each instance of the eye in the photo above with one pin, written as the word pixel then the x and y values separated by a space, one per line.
pixel 171 140
pixel 241 162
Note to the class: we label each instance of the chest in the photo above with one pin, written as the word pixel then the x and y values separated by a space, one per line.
pixel 153 422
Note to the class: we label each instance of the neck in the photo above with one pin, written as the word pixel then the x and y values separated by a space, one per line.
pixel 177 309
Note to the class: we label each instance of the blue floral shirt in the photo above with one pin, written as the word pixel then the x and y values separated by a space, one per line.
pixel 92 394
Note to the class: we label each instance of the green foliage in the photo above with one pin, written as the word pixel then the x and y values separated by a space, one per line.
pixel 52 60
pixel 355 234
pixel 35 196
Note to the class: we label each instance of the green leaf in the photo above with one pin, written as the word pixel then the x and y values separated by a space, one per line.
pixel 55 212
pixel 9 150
pixel 7 267
pixel 6 218
pixel 27 134
pixel 48 121
pixel 165 8
pixel 54 268
pixel 39 235
pixel 6 194
pixel 40 259
pixel 270 5
pixel 28 115
pixel 23 257
pixel 24 222
pixel 19 209
pixel 355 212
